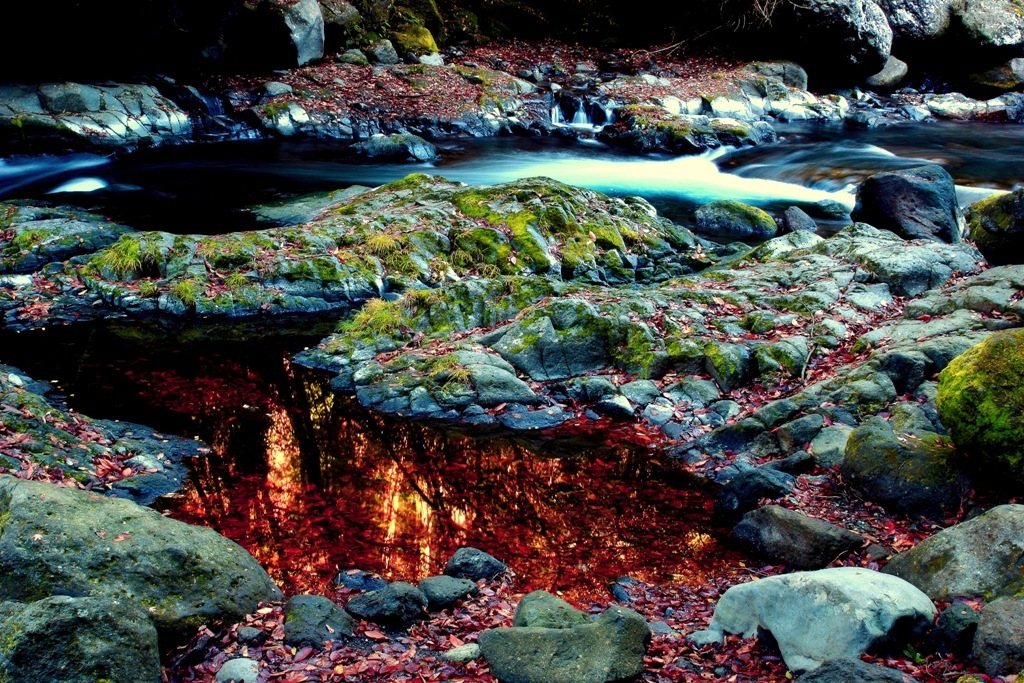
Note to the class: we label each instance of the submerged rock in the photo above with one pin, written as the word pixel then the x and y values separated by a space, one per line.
pixel 399 147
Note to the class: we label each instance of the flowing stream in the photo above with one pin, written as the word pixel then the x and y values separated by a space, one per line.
pixel 312 484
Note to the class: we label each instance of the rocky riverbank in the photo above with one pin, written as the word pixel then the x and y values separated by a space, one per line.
pixel 801 372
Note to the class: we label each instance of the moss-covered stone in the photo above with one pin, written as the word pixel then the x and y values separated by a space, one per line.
pixel 996 225
pixel 410 38
pixel 981 403
pixel 729 218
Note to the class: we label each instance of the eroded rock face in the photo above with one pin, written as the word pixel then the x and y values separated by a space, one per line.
pixel 837 613
pixel 978 558
pixel 611 648
pixel 79 640
pixel 56 540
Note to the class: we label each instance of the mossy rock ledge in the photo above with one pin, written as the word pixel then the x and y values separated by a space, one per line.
pixel 980 401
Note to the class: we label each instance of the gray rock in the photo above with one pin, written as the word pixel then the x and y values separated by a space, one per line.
pixel 996 225
pixel 305 24
pixel 473 564
pixel 914 472
pixel 743 491
pixel 999 641
pixel 853 671
pixel 495 386
pixel 398 146
pixel 796 219
pixel 519 417
pixel 891 75
pixel 239 670
pixel 954 631
pixel 60 540
pixel 360 580
pixel 837 613
pixel 992 23
pixel 913 203
pixel 829 446
pixel 641 391
pixel 432 59
pixel 983 557
pixel 611 648
pixel 731 365
pixel 728 218
pixel 445 591
pixel 840 38
pixel 918 20
pixel 791 74
pixel 383 52
pixel 795 539
pixel 69 98
pixel 617 407
pixel 462 654
pixel 399 604
pixel 276 89
pixel 352 56
pixel 249 635
pixel 793 435
pixel 541 609
pixel 80 640
pixel 313 620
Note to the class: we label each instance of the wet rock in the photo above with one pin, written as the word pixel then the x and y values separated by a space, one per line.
pixel 793 538
pixel 840 39
pixel 399 604
pixel 743 491
pixel 239 670
pixel 1009 76
pixel 796 219
pixel 541 609
pixel 473 564
pixel 860 609
pixel 445 591
pixel 913 472
pixel 978 558
pixel 313 620
pixel 914 203
pixel 79 640
pixel 999 641
pixel 849 670
pixel 611 648
pixel 980 401
pixel 954 631
pixel 403 147
pixel 728 218
pixel 184 575
pixel 793 435
pixel 996 225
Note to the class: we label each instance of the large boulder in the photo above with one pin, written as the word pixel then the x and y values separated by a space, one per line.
pixel 276 33
pixel 980 402
pixel 983 557
pixel 918 20
pixel 915 473
pixel 913 203
pixel 837 613
pixel 996 225
pixel 793 538
pixel 999 641
pixel 611 648
pixel 62 541
pixel 728 218
pixel 397 147
pixel 838 39
pixel 992 24
pixel 79 640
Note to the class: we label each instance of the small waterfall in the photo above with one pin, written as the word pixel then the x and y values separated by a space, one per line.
pixel 556 116
pixel 580 118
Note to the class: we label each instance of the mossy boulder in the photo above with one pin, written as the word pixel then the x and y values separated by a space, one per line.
pixel 983 557
pixel 313 620
pixel 611 648
pixel 79 640
pixel 914 472
pixel 728 218
pixel 62 541
pixel 996 225
pixel 417 40
pixel 981 403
